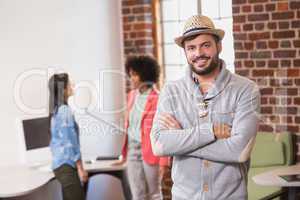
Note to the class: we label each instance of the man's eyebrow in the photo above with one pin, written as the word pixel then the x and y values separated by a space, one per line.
pixel 201 44
pixel 206 42
pixel 190 45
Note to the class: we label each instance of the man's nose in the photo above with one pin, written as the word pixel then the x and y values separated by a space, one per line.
pixel 199 51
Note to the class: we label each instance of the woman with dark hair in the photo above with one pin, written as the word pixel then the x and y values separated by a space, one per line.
pixel 142 166
pixel 64 145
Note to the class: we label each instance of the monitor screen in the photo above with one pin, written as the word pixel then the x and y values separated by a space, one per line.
pixel 36 133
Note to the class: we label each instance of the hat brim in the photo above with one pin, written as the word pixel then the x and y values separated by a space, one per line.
pixel 217 32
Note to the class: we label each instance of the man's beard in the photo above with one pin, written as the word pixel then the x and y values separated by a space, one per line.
pixel 209 69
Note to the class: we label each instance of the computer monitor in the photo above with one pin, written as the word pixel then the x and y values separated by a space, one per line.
pixel 34 140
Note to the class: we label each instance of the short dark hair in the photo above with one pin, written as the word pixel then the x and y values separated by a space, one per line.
pixel 145 66
pixel 216 38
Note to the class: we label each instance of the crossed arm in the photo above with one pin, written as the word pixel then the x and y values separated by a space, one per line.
pixel 216 142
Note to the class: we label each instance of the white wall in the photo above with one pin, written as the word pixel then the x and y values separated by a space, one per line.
pixel 81 37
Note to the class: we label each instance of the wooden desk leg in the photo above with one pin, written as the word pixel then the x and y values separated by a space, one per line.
pixel 292 193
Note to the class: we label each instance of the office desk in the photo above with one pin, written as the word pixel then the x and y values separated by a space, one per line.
pixel 271 178
pixel 20 180
pixel 103 166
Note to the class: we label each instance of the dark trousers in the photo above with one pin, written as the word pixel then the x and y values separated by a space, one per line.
pixel 69 179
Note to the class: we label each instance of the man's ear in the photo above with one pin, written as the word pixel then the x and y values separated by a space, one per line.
pixel 219 46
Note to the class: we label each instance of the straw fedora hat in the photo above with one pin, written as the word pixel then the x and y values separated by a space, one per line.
pixel 198 24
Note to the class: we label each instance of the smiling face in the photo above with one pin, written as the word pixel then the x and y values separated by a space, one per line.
pixel 202 54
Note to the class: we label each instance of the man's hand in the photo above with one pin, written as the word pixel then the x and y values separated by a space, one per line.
pixel 221 131
pixel 169 122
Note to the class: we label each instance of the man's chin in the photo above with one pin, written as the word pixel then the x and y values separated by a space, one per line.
pixel 203 70
pixel 199 68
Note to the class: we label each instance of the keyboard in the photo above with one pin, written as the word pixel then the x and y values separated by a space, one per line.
pixel 107 158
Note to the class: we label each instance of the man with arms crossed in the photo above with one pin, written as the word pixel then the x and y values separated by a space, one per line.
pixel 207 120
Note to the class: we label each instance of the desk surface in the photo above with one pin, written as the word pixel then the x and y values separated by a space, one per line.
pixel 103 166
pixel 21 180
pixel 271 178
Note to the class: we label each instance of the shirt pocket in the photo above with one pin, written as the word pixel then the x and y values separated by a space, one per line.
pixel 223 117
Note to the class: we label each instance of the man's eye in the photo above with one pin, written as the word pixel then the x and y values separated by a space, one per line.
pixel 206 45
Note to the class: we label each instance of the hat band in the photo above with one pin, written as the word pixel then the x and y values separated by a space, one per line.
pixel 195 29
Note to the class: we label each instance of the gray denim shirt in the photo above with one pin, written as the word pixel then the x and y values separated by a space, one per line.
pixel 206 168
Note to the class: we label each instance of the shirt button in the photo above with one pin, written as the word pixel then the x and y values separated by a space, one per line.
pixel 206 163
pixel 205 187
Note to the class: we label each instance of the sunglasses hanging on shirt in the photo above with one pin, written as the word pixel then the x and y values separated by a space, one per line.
pixel 203 111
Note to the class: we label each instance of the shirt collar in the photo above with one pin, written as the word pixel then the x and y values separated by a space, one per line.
pixel 219 85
